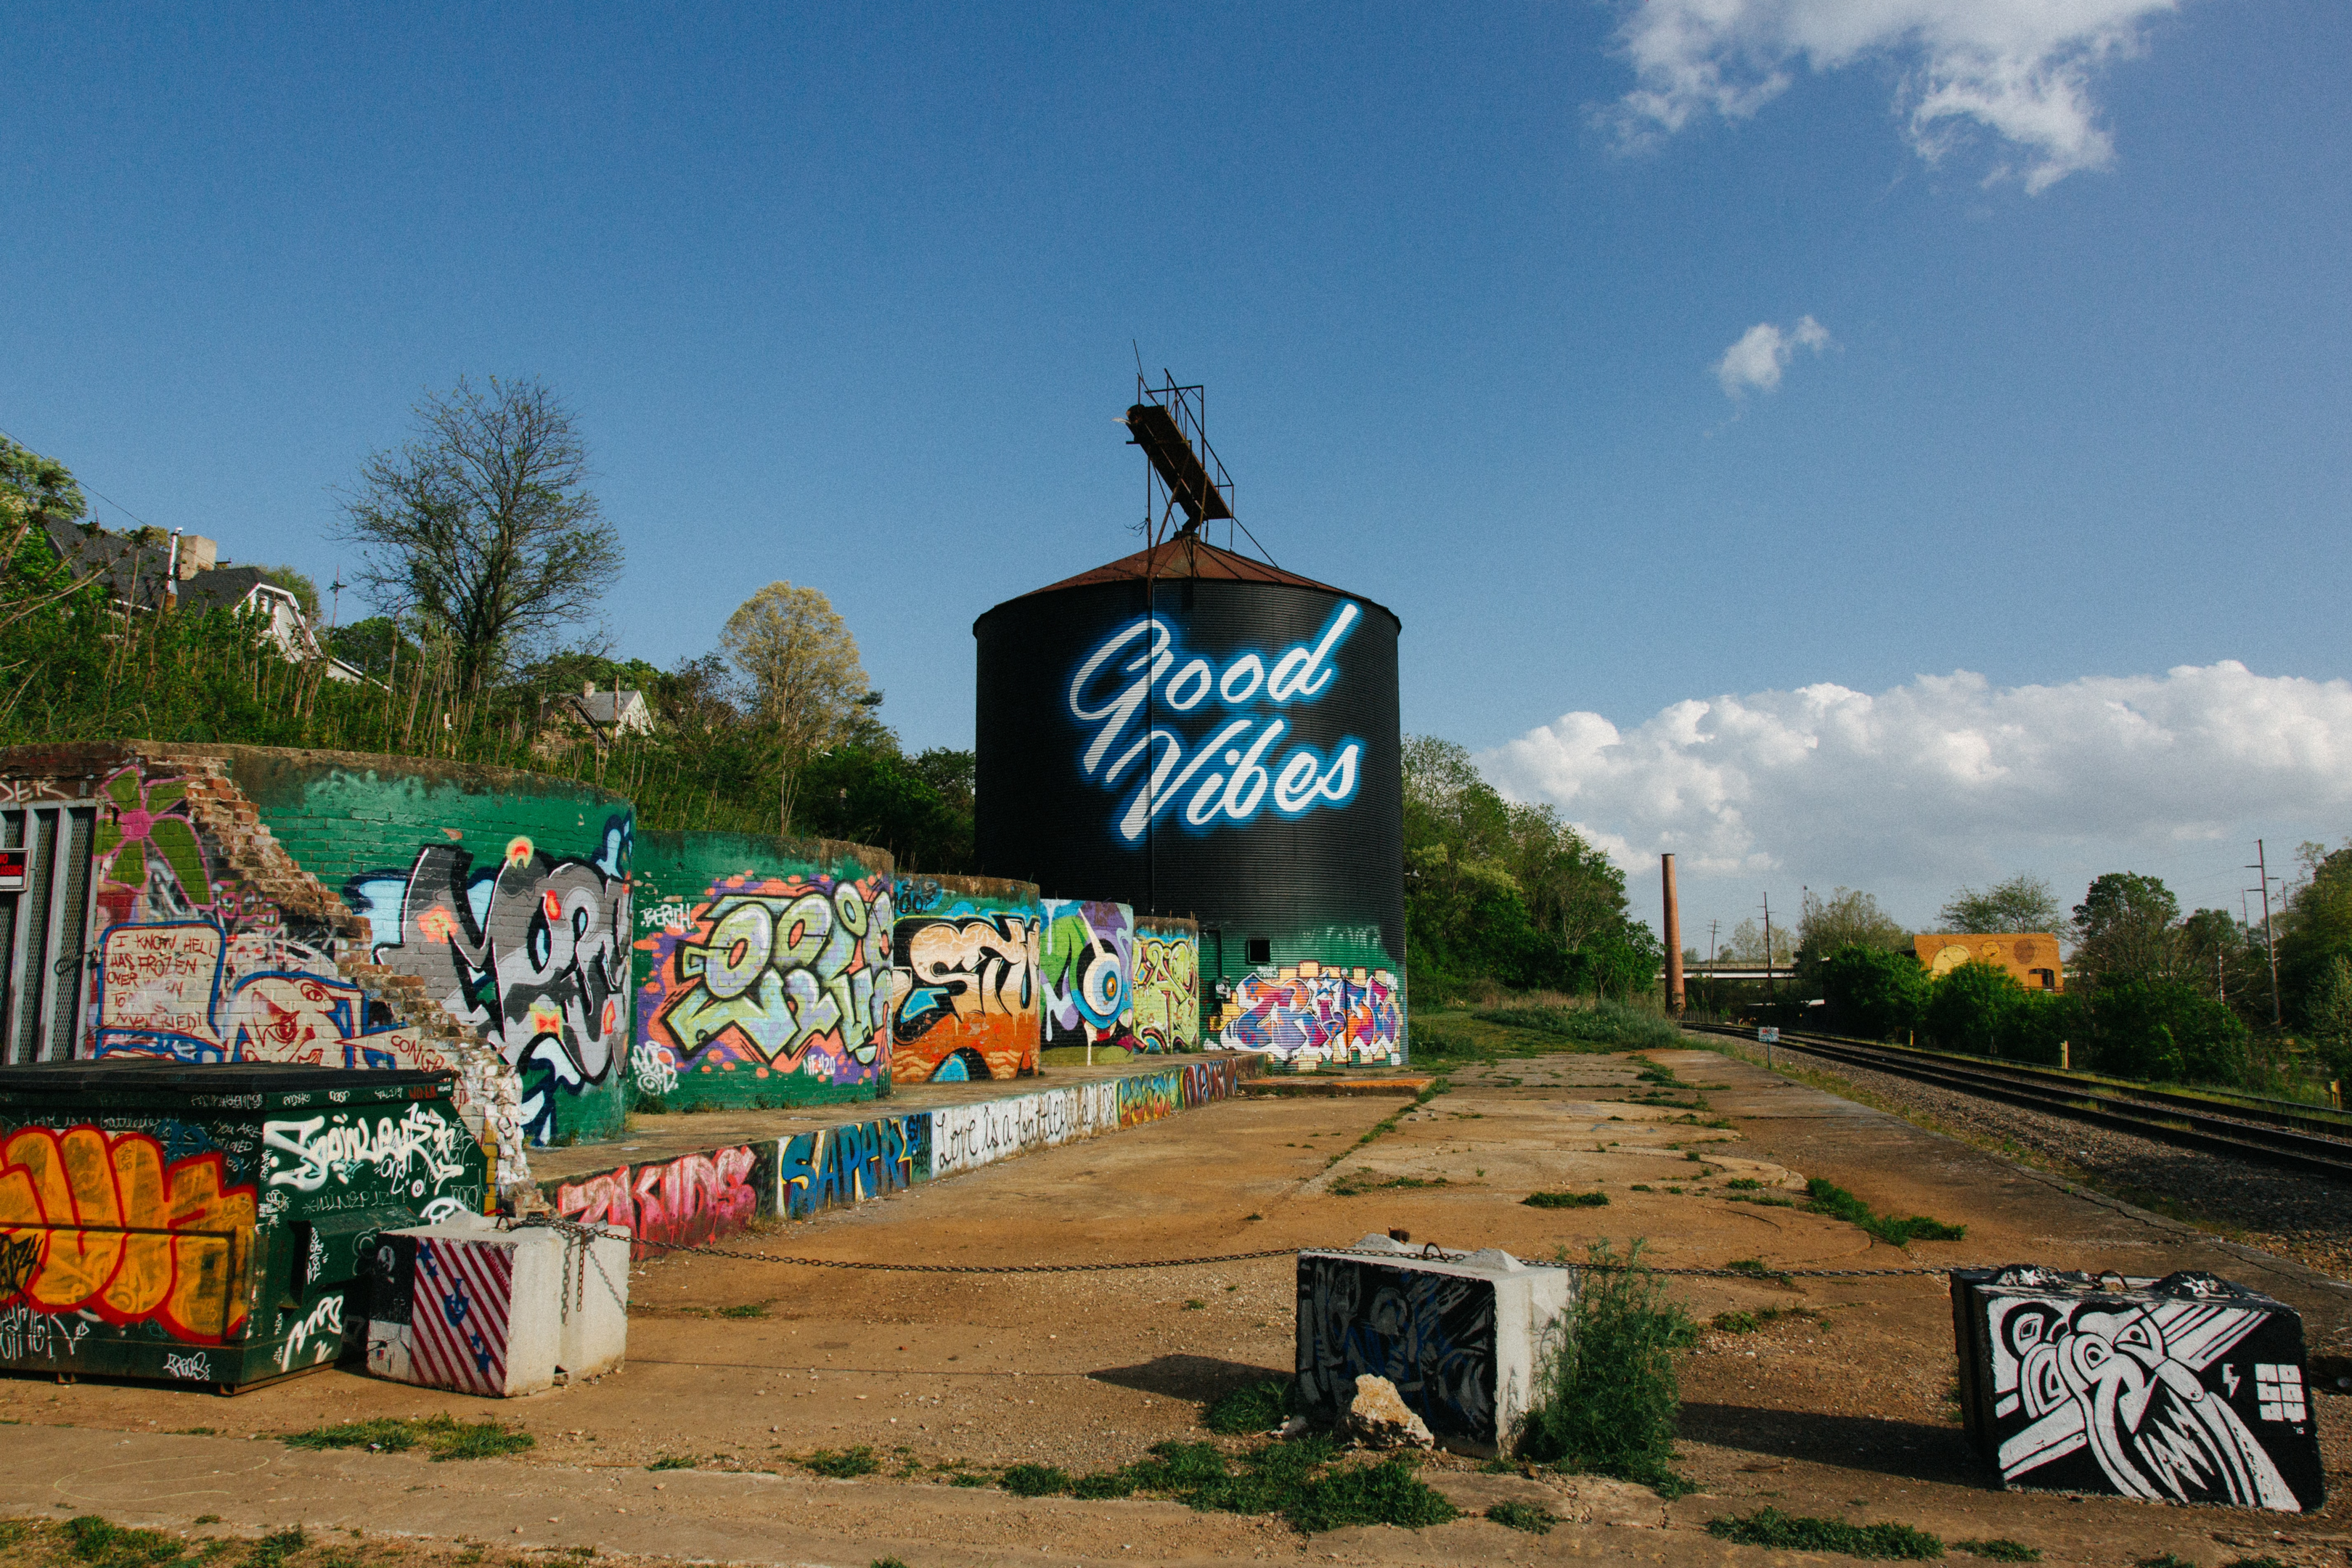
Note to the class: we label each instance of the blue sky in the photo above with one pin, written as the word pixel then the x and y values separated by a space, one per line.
pixel 846 295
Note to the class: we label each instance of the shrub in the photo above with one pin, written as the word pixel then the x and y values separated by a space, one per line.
pixel 1035 1480
pixel 1386 1493
pixel 1566 1200
pixel 1608 1394
pixel 2165 1029
pixel 1970 1009
pixel 843 1464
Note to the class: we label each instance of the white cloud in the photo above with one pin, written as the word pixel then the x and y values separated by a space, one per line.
pixel 2019 69
pixel 1763 350
pixel 1947 780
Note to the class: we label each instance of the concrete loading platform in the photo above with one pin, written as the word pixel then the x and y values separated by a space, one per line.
pixel 1835 1403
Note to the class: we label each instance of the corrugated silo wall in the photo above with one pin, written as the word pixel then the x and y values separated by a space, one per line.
pixel 764 970
pixel 1270 721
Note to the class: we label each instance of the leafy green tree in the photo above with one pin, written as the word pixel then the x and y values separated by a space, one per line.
pixel 1847 919
pixel 2124 929
pixel 2314 929
pixel 2165 1029
pixel 40 486
pixel 2327 1013
pixel 1972 1008
pixel 1746 944
pixel 1871 992
pixel 482 526
pixel 2023 903
pixel 808 687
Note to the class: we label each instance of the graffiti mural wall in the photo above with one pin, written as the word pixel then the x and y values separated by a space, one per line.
pixel 1167 983
pixel 966 987
pixel 764 970
pixel 684 1201
pixel 506 893
pixel 842 1165
pixel 1087 960
pixel 1308 1014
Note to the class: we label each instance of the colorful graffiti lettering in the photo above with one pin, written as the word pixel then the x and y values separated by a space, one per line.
pixel 1306 1013
pixel 1142 654
pixel 775 975
pixel 1086 959
pixel 1149 1096
pixel 967 997
pixel 188 991
pixel 850 1165
pixel 1167 991
pixel 137 1238
pixel 684 1201
pixel 532 954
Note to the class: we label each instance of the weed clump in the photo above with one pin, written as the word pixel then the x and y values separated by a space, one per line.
pixel 1252 1407
pixel 1566 1200
pixel 101 1542
pixel 841 1464
pixel 1296 1480
pixel 1035 1480
pixel 1801 1532
pixel 1533 1518
pixel 1608 1394
pixel 1601 1026
pixel 272 1550
pixel 443 1436
pixel 1827 1197
pixel 2001 1549
pixel 673 1462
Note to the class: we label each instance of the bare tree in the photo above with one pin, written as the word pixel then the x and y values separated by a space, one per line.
pixel 481 525
pixel 809 686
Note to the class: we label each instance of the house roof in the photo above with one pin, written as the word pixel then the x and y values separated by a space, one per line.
pixel 134 572
pixel 1188 555
pixel 612 707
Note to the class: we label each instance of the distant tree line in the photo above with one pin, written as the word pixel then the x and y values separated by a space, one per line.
pixel 1501 894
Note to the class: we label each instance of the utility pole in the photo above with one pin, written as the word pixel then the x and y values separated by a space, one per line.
pixel 1674 917
pixel 2270 942
pixel 1767 947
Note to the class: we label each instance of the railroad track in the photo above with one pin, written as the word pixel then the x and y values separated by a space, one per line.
pixel 2308 1140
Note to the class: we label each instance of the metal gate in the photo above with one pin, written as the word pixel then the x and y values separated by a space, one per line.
pixel 44 928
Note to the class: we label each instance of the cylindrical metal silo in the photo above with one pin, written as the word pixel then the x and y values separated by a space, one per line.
pixel 1197 734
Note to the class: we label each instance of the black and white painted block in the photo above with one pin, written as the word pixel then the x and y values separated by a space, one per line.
pixel 1463 1336
pixel 2183 1389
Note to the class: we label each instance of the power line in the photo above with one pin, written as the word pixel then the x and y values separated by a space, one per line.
pixel 91 489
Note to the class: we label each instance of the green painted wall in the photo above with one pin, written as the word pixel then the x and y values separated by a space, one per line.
pixel 762 967
pixel 506 892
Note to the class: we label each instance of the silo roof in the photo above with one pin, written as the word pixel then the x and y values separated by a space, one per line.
pixel 1190 555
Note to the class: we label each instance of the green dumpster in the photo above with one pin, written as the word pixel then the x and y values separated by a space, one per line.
pixel 206 1224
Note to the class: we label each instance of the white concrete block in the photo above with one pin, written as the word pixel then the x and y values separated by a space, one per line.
pixel 1463 1336
pixel 474 1312
pixel 595 1305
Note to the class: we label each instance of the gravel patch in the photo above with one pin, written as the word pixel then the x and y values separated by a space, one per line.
pixel 2307 1218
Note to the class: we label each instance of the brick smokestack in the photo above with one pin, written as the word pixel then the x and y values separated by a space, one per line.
pixel 1673 937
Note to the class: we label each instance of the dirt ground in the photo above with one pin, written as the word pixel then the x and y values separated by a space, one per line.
pixel 1842 1410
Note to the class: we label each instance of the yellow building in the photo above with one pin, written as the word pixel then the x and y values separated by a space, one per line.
pixel 2031 956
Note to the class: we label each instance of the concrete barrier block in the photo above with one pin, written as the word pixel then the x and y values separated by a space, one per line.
pixel 595 1306
pixel 466 1309
pixel 1463 1336
pixel 2184 1389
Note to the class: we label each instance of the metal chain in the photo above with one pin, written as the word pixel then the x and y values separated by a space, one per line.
pixel 1767 1273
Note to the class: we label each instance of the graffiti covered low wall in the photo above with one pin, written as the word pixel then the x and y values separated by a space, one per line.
pixel 967 988
pixel 1086 955
pixel 701 1197
pixel 1167 983
pixel 764 970
pixel 1307 1014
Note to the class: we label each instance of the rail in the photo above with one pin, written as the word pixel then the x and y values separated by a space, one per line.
pixel 2310 1141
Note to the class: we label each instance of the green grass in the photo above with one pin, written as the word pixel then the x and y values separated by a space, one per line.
pixel 1749 1322
pixel 1360 1181
pixel 841 1464
pixel 1252 1407
pixel 1798 1533
pixel 96 1540
pixel 1299 1481
pixel 888 1562
pixel 1827 1197
pixel 2001 1549
pixel 1566 1200
pixel 1599 1025
pixel 2165 1560
pixel 1607 1394
pixel 747 1310
pixel 1533 1518
pixel 443 1436
pixel 673 1462
pixel 272 1550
